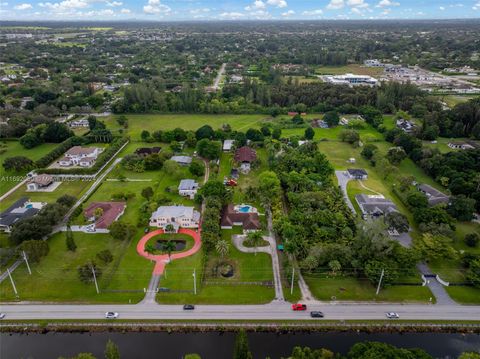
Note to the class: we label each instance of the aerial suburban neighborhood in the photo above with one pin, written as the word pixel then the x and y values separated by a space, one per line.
pixel 240 175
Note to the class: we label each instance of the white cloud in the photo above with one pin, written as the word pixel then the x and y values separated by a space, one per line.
pixel 385 3
pixel 231 15
pixel 288 13
pixel 257 5
pixel 114 3
pixel 317 12
pixel 66 6
pixel 357 3
pixel 476 6
pixel 154 7
pixel 23 6
pixel 260 15
pixel 442 8
pixel 277 3
pixel 125 11
pixel 335 4
pixel 199 11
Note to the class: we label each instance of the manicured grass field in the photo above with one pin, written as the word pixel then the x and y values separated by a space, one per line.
pixel 55 278
pixel 348 288
pixel 153 122
pixel 14 148
pixel 353 68
pixel 464 295
pixel 73 188
pixel 248 268
pixel 171 236
pixel 367 134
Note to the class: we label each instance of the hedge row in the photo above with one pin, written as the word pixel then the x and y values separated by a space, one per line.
pixel 103 158
pixel 59 151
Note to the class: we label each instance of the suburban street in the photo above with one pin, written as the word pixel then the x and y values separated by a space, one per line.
pixel 216 82
pixel 272 311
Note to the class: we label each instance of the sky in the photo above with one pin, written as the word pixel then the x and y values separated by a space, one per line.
pixel 211 10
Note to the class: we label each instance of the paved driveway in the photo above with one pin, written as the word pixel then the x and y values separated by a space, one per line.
pixel 343 180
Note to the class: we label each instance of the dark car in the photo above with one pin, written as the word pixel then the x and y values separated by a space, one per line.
pixel 188 307
pixel 316 314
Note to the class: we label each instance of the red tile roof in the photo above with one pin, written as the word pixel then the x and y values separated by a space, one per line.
pixel 111 211
pixel 250 221
pixel 245 154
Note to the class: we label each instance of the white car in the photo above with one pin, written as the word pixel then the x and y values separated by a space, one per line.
pixel 111 315
pixel 2 315
pixel 392 315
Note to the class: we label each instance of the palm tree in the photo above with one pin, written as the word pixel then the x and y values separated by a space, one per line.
pixel 169 228
pixel 169 246
pixel 335 266
pixel 222 247
pixel 254 238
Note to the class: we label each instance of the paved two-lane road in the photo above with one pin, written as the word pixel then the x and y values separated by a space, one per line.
pixel 272 311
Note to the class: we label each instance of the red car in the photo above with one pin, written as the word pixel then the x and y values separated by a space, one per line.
pixel 299 306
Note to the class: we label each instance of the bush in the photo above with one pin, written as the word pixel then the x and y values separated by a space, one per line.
pixel 105 256
pixel 17 163
pixel 350 136
pixel 472 239
pixel 85 272
pixel 35 250
pixel 196 169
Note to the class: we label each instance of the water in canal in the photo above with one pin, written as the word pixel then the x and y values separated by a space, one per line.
pixel 213 345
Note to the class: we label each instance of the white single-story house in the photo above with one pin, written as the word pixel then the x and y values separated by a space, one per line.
pixel 188 188
pixel 228 145
pixel 78 123
pixel 39 182
pixel 357 173
pixel 182 160
pixel 460 146
pixel 177 216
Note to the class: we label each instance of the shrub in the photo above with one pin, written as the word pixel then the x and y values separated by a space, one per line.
pixel 472 239
pixel 105 256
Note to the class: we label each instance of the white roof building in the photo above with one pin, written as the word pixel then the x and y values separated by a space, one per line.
pixel 351 79
pixel 177 216
pixel 183 160
pixel 228 145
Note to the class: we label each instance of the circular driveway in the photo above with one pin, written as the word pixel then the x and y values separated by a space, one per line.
pixel 162 259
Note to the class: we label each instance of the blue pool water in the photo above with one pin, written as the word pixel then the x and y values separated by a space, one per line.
pixel 244 209
pixel 29 206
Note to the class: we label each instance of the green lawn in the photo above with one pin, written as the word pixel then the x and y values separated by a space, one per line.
pixel 12 149
pixel 152 122
pixel 464 295
pixel 55 278
pixel 248 268
pixel 175 236
pixel 73 188
pixel 367 134
pixel 348 288
pixel 353 68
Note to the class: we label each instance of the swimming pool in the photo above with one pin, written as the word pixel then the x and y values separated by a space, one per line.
pixel 245 208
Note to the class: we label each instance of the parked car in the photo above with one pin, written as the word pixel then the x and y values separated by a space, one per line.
pixel 188 307
pixel 111 315
pixel 392 315
pixel 316 314
pixel 2 315
pixel 299 306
